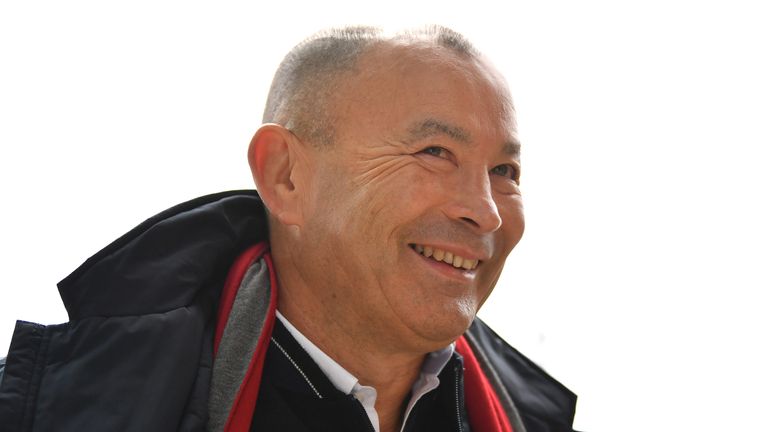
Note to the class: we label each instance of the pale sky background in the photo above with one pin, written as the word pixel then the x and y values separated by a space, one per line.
pixel 640 280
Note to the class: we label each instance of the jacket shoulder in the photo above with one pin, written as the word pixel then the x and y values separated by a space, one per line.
pixel 542 402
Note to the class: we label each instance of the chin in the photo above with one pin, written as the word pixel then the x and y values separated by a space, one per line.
pixel 441 327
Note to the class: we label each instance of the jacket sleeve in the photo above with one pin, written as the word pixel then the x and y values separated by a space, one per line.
pixel 134 373
pixel 20 373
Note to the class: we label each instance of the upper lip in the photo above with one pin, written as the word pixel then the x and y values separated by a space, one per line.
pixel 461 250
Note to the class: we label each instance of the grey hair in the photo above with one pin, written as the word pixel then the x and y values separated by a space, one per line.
pixel 311 73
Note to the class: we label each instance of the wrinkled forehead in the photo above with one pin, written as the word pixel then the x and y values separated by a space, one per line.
pixel 403 78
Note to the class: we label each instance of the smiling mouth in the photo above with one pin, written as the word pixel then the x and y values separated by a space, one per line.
pixel 442 256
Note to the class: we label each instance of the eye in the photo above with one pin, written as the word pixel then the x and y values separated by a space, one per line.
pixel 436 151
pixel 507 170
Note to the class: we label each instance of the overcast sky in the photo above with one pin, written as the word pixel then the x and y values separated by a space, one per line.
pixel 640 280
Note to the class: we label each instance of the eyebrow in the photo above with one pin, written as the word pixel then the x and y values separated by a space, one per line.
pixel 431 127
pixel 512 147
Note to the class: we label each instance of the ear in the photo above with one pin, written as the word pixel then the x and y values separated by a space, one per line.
pixel 272 158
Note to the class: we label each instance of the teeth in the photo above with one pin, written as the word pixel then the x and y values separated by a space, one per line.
pixel 456 261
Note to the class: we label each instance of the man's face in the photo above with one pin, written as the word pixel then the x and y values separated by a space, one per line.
pixel 425 162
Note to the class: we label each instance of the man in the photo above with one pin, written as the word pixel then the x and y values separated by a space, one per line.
pixel 342 297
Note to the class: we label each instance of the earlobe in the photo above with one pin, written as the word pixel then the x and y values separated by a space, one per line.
pixel 272 160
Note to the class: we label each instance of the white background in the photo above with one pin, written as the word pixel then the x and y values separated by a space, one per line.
pixel 639 283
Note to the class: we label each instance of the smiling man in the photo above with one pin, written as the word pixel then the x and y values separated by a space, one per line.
pixel 344 293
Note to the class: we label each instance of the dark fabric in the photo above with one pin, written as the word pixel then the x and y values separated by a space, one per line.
pixel 442 409
pixel 21 376
pixel 288 402
pixel 136 354
pixel 544 404
pixel 167 260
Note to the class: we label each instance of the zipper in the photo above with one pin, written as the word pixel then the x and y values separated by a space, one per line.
pixel 297 367
pixel 458 404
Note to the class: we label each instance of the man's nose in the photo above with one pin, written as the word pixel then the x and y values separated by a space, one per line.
pixel 473 203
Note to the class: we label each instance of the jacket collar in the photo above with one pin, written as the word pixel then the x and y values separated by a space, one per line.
pixel 168 259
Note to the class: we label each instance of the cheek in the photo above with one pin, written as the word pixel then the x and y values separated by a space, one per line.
pixel 390 203
pixel 512 221
pixel 512 227
pixel 330 201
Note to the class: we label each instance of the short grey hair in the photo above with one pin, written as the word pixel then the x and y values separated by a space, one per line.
pixel 311 73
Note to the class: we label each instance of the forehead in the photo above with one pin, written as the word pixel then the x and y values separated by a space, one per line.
pixel 426 89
